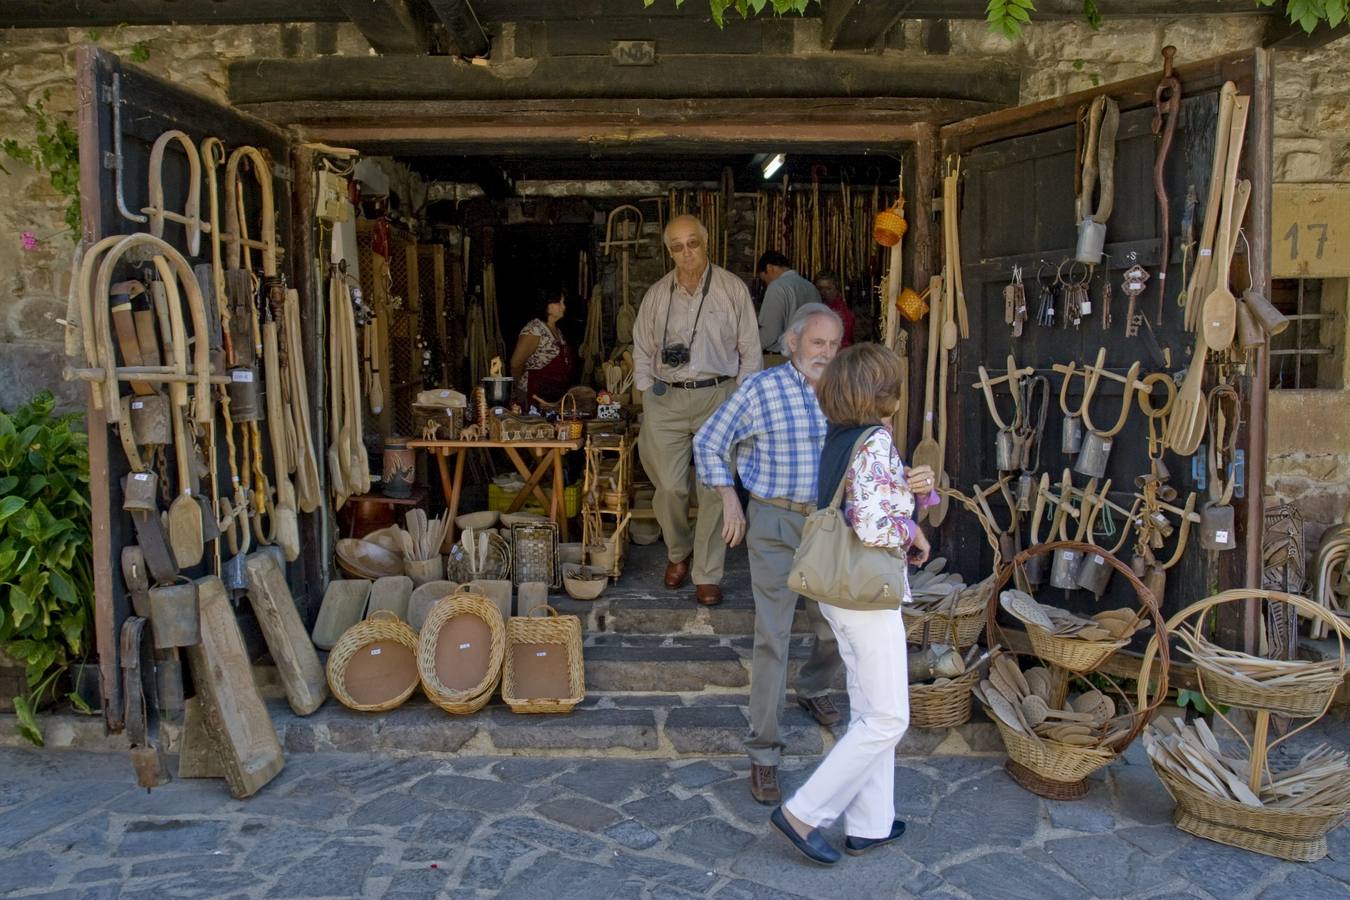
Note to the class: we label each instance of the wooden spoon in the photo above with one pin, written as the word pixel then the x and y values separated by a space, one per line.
pixel 1219 315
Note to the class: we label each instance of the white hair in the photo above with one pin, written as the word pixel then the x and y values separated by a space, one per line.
pixel 808 311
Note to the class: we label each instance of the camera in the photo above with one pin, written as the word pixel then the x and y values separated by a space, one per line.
pixel 675 355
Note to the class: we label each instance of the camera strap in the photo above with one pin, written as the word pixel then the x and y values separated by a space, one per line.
pixel 670 300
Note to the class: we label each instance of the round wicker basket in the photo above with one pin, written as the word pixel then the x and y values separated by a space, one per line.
pixel 960 627
pixel 890 226
pixel 1051 760
pixel 942 705
pixel 1076 655
pixel 382 635
pixel 462 641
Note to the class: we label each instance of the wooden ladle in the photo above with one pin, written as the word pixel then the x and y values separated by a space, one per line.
pixel 1218 317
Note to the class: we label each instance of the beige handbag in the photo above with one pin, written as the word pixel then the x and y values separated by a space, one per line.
pixel 834 567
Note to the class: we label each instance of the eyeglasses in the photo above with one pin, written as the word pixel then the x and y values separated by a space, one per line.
pixel 691 244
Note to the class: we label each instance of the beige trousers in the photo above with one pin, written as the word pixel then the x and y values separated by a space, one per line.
pixel 666 447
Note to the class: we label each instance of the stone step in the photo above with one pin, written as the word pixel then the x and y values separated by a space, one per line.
pixel 648 725
pixel 637 611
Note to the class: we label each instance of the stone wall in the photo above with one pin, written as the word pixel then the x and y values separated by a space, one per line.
pixel 1312 144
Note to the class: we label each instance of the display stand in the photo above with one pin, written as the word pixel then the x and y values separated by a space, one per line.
pixel 605 512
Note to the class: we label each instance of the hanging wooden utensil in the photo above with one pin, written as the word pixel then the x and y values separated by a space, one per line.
pixel 1219 314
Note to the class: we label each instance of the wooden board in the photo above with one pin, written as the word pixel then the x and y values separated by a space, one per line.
pixel 296 660
pixel 1310 231
pixel 236 717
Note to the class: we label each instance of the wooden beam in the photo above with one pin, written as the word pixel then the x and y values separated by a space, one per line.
pixel 568 127
pixel 92 13
pixel 391 26
pixel 696 77
pixel 465 32
pixel 850 25
pixel 1130 94
pixel 1072 10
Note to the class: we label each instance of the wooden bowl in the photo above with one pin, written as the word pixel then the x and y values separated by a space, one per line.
pixel 424 598
pixel 488 518
pixel 583 582
pixel 365 559
pixel 389 538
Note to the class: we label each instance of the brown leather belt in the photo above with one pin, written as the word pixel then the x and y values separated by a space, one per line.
pixel 801 509
pixel 695 385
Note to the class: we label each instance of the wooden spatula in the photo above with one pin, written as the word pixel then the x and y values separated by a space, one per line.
pixel 1219 315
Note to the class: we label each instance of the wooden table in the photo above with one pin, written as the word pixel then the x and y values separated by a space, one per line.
pixel 548 455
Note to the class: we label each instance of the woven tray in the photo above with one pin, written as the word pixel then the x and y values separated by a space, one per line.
pixel 534 554
pixel 543 670
pixel 463 637
pixel 1294 834
pixel 943 705
pixel 382 635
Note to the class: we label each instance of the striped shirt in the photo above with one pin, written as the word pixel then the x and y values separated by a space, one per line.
pixel 771 431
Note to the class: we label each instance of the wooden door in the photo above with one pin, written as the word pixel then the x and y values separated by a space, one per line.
pixel 1017 209
pixel 123 110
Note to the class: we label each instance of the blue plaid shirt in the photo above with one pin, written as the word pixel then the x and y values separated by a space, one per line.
pixel 774 426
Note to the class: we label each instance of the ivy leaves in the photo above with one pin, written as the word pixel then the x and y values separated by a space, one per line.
pixel 45 547
pixel 748 8
pixel 56 153
pixel 1307 13
pixel 1006 17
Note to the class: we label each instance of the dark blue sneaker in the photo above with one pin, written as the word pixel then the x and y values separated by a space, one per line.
pixel 814 846
pixel 855 846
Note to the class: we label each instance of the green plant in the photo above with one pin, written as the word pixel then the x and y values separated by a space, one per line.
pixel 55 151
pixel 747 8
pixel 1196 701
pixel 46 548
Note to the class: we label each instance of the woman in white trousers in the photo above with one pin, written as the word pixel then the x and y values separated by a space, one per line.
pixel 859 393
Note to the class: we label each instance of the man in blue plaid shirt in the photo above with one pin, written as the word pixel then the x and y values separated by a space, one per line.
pixel 771 431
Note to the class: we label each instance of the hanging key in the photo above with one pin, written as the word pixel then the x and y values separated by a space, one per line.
pixel 1133 285
pixel 1106 302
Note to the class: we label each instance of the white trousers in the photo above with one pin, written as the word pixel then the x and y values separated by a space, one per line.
pixel 857 779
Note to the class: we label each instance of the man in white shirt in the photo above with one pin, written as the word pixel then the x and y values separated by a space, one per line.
pixel 694 340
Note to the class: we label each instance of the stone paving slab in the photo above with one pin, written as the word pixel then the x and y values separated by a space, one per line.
pixel 72 824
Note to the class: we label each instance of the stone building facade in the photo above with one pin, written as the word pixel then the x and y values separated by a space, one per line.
pixel 1309 466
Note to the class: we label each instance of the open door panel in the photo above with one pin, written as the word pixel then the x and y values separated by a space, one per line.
pixel 123 110
pixel 1018 171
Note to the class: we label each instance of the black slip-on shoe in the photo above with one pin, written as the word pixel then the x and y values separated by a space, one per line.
pixel 856 846
pixel 814 846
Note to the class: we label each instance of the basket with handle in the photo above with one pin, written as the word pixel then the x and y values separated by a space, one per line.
pixel 1292 833
pixel 1055 769
pixel 961 626
pixel 889 225
pixel 543 671
pixel 570 427
pixel 460 651
pixel 373 665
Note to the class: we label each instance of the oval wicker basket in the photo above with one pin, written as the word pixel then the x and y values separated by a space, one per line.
pixel 1052 760
pixel 524 636
pixel 384 628
pixel 942 705
pixel 1076 655
pixel 447 646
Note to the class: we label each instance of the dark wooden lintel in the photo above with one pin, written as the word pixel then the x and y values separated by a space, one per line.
pixel 92 13
pixel 849 25
pixel 695 77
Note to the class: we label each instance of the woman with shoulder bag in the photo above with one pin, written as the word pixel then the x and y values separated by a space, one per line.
pixel 859 393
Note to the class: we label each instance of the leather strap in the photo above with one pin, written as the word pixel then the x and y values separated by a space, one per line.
pixel 700 383
pixel 801 509
pixel 150 536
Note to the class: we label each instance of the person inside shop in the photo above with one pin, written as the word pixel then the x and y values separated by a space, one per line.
pixel 770 433
pixel 694 339
pixel 828 285
pixel 542 363
pixel 784 292
pixel 859 393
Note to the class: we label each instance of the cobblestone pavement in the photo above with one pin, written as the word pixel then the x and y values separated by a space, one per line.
pixel 72 824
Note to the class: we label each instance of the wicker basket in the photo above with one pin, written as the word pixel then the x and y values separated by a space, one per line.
pixel 1051 760
pixel 942 705
pixel 526 679
pixel 570 427
pixel 890 226
pixel 1298 835
pixel 534 553
pixel 960 627
pixel 1075 654
pixel 377 635
pixel 482 623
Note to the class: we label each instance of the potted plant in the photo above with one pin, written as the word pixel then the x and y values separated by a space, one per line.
pixel 46 550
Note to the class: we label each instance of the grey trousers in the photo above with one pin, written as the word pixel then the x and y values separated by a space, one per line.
pixel 771 539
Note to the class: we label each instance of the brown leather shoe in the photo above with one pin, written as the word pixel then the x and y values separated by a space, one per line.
pixel 821 708
pixel 708 594
pixel 764 784
pixel 677 572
